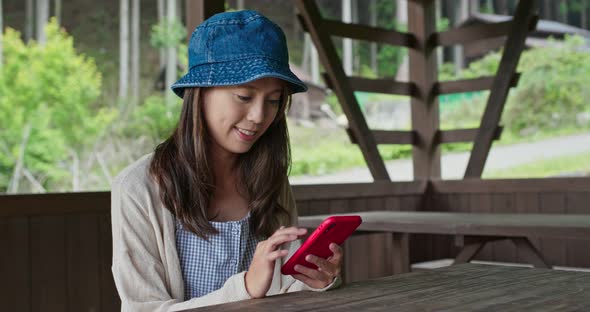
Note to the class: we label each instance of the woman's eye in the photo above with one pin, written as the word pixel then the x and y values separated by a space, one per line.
pixel 244 98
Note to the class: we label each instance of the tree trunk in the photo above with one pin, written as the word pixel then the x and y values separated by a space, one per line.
pixel 584 15
pixel 461 14
pixel 20 160
pixel 401 9
pixel 161 15
pixel 57 10
pixel 305 64
pixel 347 42
pixel 135 52
pixel 75 171
pixel 315 63
pixel 124 49
pixel 547 9
pixel 29 19
pixel 438 16
pixel 240 5
pixel 170 55
pixel 356 56
pixel 42 18
pixel 373 22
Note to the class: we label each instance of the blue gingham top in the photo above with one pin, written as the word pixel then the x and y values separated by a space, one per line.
pixel 206 265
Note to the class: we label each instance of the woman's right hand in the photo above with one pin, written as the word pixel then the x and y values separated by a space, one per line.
pixel 259 275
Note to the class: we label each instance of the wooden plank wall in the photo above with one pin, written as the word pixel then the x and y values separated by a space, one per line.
pixel 56 253
pixel 57 263
pixel 56 248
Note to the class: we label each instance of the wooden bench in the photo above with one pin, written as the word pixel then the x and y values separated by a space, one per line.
pixel 471 230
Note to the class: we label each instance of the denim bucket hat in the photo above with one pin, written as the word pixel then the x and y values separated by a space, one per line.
pixel 232 48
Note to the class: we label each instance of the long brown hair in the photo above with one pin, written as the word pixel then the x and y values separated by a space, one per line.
pixel 182 168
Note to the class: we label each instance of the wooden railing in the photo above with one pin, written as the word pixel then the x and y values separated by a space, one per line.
pixel 56 248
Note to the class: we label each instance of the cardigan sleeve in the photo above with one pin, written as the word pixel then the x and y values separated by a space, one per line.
pixel 139 273
pixel 288 283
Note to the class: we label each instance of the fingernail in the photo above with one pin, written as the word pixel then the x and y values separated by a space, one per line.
pixel 309 257
pixel 297 267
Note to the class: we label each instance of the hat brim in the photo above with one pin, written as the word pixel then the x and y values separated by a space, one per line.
pixel 237 72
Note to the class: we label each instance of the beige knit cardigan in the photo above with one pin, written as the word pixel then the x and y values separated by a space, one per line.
pixel 146 268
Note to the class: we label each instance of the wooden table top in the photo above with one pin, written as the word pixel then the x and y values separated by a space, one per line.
pixel 466 287
pixel 455 223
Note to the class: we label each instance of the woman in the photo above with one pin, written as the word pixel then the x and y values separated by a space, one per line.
pixel 209 217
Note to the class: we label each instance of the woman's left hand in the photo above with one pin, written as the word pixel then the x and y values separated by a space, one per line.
pixel 328 269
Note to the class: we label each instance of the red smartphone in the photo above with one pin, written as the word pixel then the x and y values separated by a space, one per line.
pixel 335 229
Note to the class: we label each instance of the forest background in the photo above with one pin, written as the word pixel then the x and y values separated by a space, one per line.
pixel 82 86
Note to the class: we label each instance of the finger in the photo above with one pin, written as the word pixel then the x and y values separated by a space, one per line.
pixel 303 278
pixel 290 230
pixel 337 253
pixel 311 273
pixel 323 265
pixel 277 240
pixel 280 253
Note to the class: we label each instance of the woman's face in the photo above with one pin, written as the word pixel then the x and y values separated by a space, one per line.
pixel 237 116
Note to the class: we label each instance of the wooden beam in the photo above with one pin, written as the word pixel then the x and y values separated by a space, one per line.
pixel 479 48
pixel 471 33
pixel 409 137
pixel 525 14
pixel 470 85
pixel 368 33
pixel 55 204
pixel 383 85
pixel 424 73
pixel 536 185
pixel 344 92
pixel 477 32
pixel 462 135
pixel 358 190
pixel 388 137
pixel 198 11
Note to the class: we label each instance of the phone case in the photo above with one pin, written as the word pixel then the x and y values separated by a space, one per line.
pixel 334 229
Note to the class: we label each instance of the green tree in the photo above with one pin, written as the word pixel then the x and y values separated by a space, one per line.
pixel 48 91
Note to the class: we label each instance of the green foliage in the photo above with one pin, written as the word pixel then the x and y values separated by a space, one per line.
pixel 51 89
pixel 552 90
pixel 154 118
pixel 574 165
pixel 167 35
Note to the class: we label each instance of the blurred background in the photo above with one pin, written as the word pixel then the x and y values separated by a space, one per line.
pixel 84 90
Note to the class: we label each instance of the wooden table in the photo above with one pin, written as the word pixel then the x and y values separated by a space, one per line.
pixel 465 287
pixel 472 230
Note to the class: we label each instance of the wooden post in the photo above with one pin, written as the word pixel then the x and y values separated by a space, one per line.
pixel 199 10
pixel 525 14
pixel 424 73
pixel 338 81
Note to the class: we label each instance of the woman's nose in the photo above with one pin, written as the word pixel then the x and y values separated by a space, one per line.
pixel 256 113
